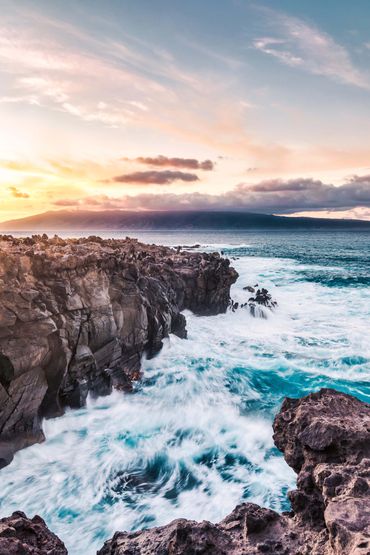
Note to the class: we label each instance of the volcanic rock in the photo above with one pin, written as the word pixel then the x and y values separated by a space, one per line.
pixel 249 288
pixel 263 298
pixel 255 304
pixel 20 535
pixel 77 315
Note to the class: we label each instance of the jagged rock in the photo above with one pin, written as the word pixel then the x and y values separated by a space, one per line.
pixel 76 316
pixel 325 437
pixel 233 305
pixel 261 298
pixel 255 304
pixel 249 288
pixel 20 535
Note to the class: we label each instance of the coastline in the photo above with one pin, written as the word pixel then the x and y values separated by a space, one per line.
pixel 266 530
pixel 77 316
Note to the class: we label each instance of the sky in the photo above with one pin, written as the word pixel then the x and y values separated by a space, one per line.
pixel 257 106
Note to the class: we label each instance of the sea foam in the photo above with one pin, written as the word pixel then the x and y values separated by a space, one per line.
pixel 195 437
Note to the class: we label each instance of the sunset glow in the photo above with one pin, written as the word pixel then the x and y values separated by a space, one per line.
pixel 162 105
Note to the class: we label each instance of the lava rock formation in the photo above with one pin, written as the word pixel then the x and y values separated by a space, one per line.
pixel 77 315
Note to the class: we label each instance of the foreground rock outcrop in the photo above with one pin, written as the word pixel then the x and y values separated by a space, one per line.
pixel 77 315
pixel 20 535
pixel 325 438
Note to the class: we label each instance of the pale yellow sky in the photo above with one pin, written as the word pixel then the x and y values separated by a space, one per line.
pixel 83 96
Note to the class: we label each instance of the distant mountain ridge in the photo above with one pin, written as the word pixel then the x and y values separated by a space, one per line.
pixel 82 220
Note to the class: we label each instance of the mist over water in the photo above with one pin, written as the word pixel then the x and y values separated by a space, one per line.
pixel 195 437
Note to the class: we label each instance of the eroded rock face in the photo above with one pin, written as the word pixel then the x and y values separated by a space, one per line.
pixel 325 437
pixel 20 535
pixel 77 315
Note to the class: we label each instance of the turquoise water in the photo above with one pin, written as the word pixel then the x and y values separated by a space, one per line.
pixel 195 437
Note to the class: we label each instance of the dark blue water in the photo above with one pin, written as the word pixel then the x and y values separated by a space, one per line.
pixel 195 437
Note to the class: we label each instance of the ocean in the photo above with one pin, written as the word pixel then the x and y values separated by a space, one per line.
pixel 194 439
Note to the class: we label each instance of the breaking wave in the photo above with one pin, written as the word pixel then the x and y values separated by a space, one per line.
pixel 195 437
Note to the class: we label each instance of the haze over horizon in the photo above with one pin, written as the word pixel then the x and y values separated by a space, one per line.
pixel 234 105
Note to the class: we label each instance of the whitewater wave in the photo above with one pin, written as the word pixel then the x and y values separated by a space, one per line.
pixel 195 437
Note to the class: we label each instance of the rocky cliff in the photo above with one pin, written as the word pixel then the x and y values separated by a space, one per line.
pixel 77 315
pixel 325 438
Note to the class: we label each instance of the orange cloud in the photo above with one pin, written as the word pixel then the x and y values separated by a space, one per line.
pixel 18 194
pixel 165 161
pixel 156 177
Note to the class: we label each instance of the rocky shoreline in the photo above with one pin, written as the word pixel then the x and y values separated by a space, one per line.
pixel 325 438
pixel 77 315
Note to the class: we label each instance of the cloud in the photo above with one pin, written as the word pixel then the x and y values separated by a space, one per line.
pixel 155 177
pixel 299 44
pixel 51 73
pixel 164 161
pixel 270 196
pixel 303 194
pixel 17 193
pixel 44 90
pixel 67 202
pixel 139 86
pixel 149 92
pixel 55 72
